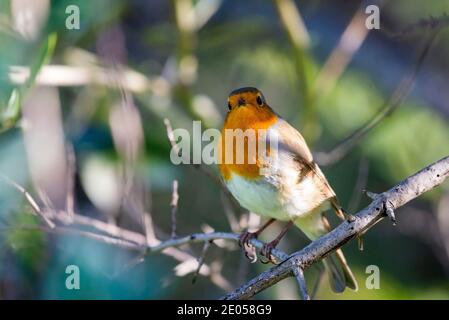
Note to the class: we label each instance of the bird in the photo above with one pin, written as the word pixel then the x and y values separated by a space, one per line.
pixel 292 188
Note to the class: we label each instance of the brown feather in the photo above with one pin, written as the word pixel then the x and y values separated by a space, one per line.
pixel 294 142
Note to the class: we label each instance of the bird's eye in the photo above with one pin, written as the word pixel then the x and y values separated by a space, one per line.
pixel 259 100
pixel 229 106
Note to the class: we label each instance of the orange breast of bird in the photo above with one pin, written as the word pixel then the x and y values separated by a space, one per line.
pixel 245 117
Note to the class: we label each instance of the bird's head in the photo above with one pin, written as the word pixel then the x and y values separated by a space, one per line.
pixel 248 109
pixel 248 97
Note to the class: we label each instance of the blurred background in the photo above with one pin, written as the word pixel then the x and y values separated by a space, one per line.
pixel 82 129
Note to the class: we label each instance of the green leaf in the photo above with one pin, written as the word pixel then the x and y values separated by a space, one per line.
pixel 45 54
pixel 12 111
pixel 13 107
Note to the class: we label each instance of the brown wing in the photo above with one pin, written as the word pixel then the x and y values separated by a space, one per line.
pixel 294 142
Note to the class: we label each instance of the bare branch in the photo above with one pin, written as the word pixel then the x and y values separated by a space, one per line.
pixel 150 234
pixel 101 226
pixel 29 199
pixel 382 204
pixel 114 235
pixel 122 243
pixel 67 75
pixel 405 191
pixel 201 259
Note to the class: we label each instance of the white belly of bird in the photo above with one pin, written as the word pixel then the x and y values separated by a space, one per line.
pixel 287 201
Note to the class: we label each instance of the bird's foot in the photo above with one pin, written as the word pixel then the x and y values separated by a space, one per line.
pixel 246 237
pixel 348 217
pixel 268 247
pixel 266 251
pixel 250 251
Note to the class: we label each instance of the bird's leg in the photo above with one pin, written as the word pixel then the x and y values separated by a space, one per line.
pixel 343 215
pixel 246 236
pixel 268 247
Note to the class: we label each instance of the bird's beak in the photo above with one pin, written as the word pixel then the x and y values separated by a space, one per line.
pixel 241 102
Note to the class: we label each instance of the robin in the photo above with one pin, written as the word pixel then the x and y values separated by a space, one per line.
pixel 292 188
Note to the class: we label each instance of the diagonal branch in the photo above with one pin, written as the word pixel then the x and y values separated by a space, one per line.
pixel 405 191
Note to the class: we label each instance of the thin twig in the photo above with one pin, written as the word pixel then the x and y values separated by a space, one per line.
pixel 71 170
pixel 100 226
pixel 171 135
pixel 122 243
pixel 230 214
pixel 199 167
pixel 360 185
pixel 174 208
pixel 150 234
pixel 131 264
pixel 113 235
pixel 398 96
pixel 29 199
pixel 201 260
pixel 431 23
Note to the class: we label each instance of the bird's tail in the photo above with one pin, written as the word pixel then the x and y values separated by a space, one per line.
pixel 340 275
pixel 338 270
